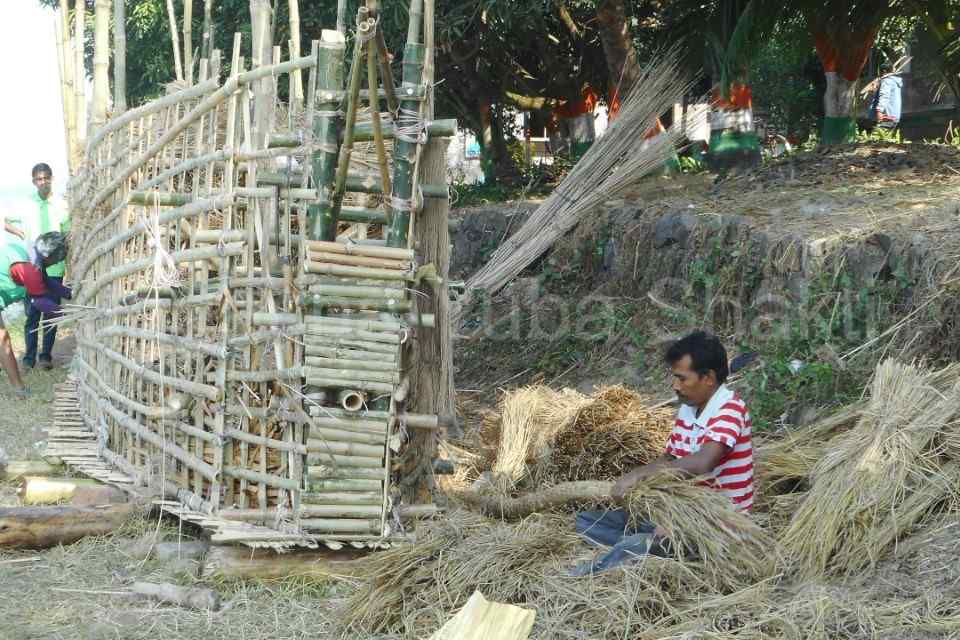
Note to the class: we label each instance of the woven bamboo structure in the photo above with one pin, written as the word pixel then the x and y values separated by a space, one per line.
pixel 242 342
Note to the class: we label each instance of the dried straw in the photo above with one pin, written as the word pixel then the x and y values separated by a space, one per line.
pixel 615 163
pixel 878 480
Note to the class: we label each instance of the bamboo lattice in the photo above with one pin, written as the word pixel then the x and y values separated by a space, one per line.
pixel 232 358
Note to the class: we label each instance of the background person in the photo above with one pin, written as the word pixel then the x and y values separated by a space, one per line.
pixel 888 100
pixel 46 213
pixel 19 278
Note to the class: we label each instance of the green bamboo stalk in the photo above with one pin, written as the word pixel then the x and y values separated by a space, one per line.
pixel 372 85
pixel 364 132
pixel 321 223
pixel 357 292
pixel 344 363
pixel 353 102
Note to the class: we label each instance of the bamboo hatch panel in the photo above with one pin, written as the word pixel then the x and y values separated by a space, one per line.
pixel 242 330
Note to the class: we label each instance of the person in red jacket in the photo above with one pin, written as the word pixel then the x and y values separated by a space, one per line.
pixel 24 278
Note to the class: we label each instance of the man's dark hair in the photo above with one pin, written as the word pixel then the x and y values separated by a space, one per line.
pixel 706 353
pixel 40 167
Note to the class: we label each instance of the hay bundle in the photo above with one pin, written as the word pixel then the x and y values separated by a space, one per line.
pixel 530 419
pixel 881 478
pixel 733 550
pixel 565 435
pixel 413 589
pixel 612 434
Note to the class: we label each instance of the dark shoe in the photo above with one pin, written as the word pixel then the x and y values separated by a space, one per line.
pixel 26 364
pixel 46 363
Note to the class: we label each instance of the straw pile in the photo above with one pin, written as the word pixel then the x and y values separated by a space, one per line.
pixel 544 435
pixel 882 477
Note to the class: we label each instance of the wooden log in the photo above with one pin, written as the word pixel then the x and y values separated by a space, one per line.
pixel 264 564
pixel 35 490
pixel 45 527
pixel 190 598
pixel 16 469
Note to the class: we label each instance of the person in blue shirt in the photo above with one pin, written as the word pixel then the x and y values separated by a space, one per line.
pixel 888 101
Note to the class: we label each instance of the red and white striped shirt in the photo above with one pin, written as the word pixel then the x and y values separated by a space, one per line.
pixel 726 420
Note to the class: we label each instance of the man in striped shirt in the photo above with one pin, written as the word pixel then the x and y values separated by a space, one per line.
pixel 711 438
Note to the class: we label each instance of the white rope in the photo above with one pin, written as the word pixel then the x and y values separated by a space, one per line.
pixel 410 127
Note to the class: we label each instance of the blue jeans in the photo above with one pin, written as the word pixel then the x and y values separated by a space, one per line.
pixel 32 330
pixel 612 528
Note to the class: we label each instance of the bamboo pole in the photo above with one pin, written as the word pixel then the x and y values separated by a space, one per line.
pixel 332 470
pixel 354 375
pixel 361 323
pixel 119 56
pixel 80 78
pixel 295 78
pixel 207 45
pixel 347 383
pixel 101 62
pixel 323 446
pixel 361 250
pixel 67 79
pixel 362 365
pixel 406 148
pixel 175 39
pixel 341 525
pixel 359 304
pixel 346 424
pixel 326 131
pixel 348 399
pixel 339 342
pixel 356 272
pixel 357 291
pixel 188 40
pixel 353 102
pixel 354 354
pixel 350 332
pixel 360 261
pixel 383 56
pixel 373 85
pixel 339 498
pixel 319 486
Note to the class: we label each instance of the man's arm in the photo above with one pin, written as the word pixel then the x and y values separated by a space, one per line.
pixel 9 228
pixel 696 464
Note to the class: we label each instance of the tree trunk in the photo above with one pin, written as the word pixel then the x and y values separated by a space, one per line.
pixel 839 105
pixel 264 564
pixel 119 56
pixel 733 141
pixel 432 375
pixel 45 527
pixel 622 64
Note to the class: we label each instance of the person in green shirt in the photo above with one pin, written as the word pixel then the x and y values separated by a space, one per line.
pixel 48 214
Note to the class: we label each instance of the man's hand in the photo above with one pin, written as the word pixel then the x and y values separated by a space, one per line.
pixel 9 228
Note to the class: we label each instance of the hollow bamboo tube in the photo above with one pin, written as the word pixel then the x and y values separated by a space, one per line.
pixel 335 498
pixel 364 324
pixel 359 385
pixel 356 272
pixel 361 250
pixel 352 333
pixel 360 365
pixel 345 510
pixel 326 132
pixel 347 291
pixel 270 443
pixel 359 261
pixel 334 342
pixel 381 304
pixel 275 319
pixel 344 422
pixel 328 472
pixel 350 354
pixel 350 400
pixel 322 446
pixel 335 435
pixel 360 375
pixel 343 460
pixel 319 486
pixel 261 478
pixel 341 525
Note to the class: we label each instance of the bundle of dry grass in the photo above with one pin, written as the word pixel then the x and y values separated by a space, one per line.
pixel 881 478
pixel 530 419
pixel 612 434
pixel 413 589
pixel 732 550
pixel 550 436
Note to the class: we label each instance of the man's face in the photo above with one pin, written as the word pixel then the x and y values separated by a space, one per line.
pixel 43 181
pixel 692 388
